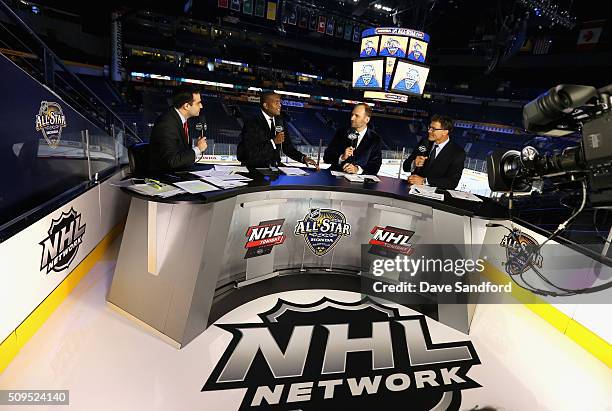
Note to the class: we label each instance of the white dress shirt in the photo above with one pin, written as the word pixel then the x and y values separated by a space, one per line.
pixel 196 149
pixel 269 121
pixel 360 135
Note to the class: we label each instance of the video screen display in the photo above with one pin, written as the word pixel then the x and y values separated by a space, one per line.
pixel 389 66
pixel 369 46
pixel 369 74
pixel 408 78
pixel 393 46
pixel 417 50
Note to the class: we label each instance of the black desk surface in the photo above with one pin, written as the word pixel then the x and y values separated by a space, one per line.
pixel 324 181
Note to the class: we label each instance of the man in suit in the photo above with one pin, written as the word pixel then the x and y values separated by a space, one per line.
pixel 362 155
pixel 262 139
pixel 436 161
pixel 170 146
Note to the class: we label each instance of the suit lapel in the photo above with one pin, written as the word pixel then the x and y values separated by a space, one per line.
pixel 179 125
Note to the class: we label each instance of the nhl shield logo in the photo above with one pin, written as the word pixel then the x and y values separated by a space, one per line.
pixel 51 121
pixel 61 246
pixel 322 229
pixel 521 253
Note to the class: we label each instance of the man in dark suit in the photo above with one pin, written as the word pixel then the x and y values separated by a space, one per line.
pixel 170 146
pixel 436 161
pixel 265 136
pixel 361 154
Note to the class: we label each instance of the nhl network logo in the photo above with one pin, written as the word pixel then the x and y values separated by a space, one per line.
pixel 51 121
pixel 333 355
pixel 261 238
pixel 322 229
pixel 390 241
pixel 62 244
pixel 521 253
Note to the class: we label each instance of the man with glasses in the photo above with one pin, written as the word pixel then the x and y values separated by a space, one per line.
pixel 265 137
pixel 436 161
pixel 170 146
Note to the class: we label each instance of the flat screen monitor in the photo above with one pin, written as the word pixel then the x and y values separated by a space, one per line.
pixel 417 50
pixel 369 46
pixel 408 78
pixel 393 46
pixel 369 74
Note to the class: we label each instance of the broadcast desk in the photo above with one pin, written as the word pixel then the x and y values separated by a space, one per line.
pixel 182 259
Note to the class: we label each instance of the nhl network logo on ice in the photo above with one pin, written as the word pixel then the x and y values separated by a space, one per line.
pixel 333 355
pixel 60 247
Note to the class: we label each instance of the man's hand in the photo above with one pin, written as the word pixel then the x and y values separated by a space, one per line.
pixel 414 179
pixel 310 162
pixel 419 161
pixel 348 152
pixel 280 137
pixel 350 168
pixel 202 144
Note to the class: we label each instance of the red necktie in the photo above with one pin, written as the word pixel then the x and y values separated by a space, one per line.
pixel 186 131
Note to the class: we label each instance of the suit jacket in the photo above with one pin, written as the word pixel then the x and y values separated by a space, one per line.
pixel 169 149
pixel 255 148
pixel 367 155
pixel 445 170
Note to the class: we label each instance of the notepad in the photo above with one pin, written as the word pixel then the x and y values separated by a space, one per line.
pixel 427 192
pixel 360 178
pixel 232 169
pixel 293 171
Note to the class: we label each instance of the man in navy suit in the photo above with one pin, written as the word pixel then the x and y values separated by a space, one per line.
pixel 170 146
pixel 361 155
pixel 436 161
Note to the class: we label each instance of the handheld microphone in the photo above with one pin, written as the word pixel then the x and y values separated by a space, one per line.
pixel 279 129
pixel 422 149
pixel 200 127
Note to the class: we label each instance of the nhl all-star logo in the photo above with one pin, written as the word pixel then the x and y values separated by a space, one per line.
pixel 65 237
pixel 521 253
pixel 332 355
pixel 322 229
pixel 51 121
pixel 262 237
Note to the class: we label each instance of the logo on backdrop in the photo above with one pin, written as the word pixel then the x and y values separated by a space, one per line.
pixel 51 121
pixel 333 355
pixel 62 244
pixel 521 253
pixel 261 238
pixel 322 229
pixel 390 241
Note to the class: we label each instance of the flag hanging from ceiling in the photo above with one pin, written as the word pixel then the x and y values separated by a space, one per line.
pixel 260 8
pixel 330 26
pixel 321 26
pixel 340 29
pixel 292 19
pixel 348 31
pixel 247 6
pixel 312 24
pixel 235 5
pixel 271 15
pixel 222 3
pixel 304 17
pixel 356 33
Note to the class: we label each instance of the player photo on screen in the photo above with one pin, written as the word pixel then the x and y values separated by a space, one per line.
pixel 369 74
pixel 393 46
pixel 389 66
pixel 409 78
pixel 417 50
pixel 369 46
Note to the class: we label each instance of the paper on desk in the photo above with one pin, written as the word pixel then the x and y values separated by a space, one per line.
pixel 360 178
pixel 195 186
pixel 146 189
pixel 427 193
pixel 232 169
pixel 210 173
pixel 293 171
pixel 224 184
pixel 337 173
pixel 423 188
pixel 462 195
pixel 171 193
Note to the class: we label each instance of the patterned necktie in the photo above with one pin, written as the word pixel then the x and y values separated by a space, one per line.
pixel 186 129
